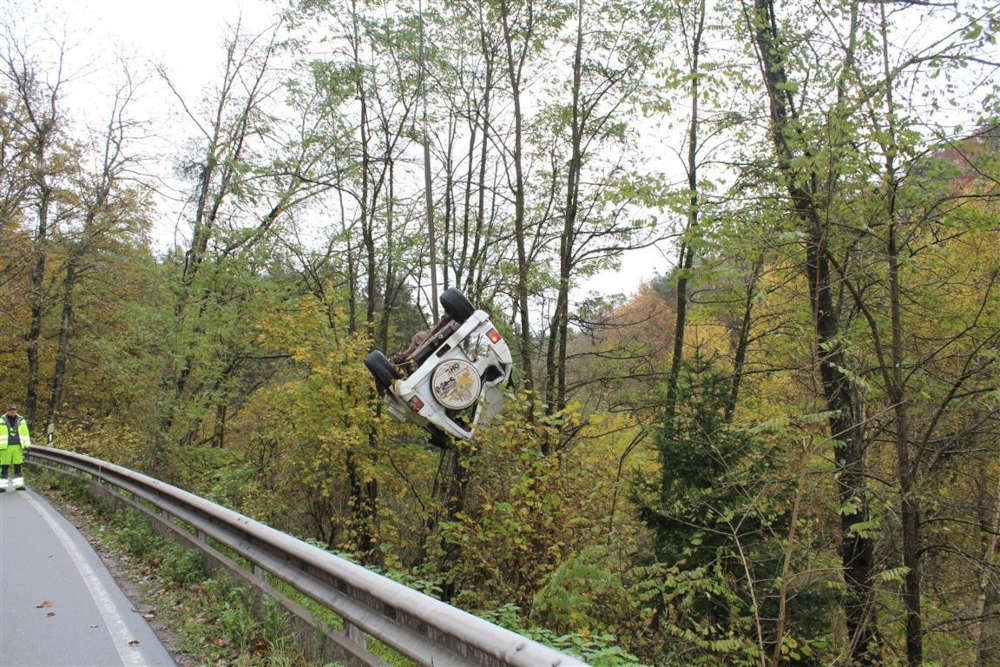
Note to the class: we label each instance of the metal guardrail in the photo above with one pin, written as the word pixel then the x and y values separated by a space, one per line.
pixel 417 626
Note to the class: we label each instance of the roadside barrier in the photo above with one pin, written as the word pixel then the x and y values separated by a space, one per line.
pixel 415 625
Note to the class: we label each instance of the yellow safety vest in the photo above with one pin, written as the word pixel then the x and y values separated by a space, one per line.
pixel 22 432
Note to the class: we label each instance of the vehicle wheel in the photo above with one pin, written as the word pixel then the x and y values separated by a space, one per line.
pixel 456 305
pixel 381 369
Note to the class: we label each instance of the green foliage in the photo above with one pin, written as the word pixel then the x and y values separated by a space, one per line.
pixel 595 649
pixel 235 614
pixel 274 625
pixel 231 365
pixel 582 593
pixel 138 536
pixel 719 509
pixel 184 566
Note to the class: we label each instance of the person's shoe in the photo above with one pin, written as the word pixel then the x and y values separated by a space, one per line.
pixel 19 484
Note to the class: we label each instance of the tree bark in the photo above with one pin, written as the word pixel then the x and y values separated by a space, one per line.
pixel 37 288
pixel 515 65
pixel 841 396
pixel 987 629
pixel 62 347
pixel 686 253
pixel 557 397
pixel 905 471
pixel 743 339
pixel 428 195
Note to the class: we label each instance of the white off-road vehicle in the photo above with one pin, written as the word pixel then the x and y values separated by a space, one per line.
pixel 453 380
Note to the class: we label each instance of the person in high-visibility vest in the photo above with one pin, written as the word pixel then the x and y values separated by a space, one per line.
pixel 14 439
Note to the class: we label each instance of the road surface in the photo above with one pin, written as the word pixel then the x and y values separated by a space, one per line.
pixel 59 605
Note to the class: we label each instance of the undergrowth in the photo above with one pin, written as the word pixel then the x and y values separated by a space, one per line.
pixel 213 617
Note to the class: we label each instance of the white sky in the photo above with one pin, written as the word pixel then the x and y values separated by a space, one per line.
pixel 186 37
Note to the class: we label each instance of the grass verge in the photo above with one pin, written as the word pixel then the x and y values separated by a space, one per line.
pixel 201 619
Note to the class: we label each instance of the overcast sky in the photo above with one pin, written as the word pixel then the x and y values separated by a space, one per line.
pixel 186 38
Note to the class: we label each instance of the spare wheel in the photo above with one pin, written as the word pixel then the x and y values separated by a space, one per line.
pixel 455 384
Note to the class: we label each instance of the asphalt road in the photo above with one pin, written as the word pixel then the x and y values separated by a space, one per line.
pixel 59 605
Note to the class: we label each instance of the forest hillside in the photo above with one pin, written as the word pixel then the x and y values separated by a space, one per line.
pixel 781 450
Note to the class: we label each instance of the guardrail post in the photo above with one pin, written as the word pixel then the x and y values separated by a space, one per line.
pixel 354 633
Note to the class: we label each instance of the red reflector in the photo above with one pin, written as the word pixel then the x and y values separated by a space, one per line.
pixel 416 403
pixel 494 335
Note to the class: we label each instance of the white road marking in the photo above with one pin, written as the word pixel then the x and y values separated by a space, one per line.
pixel 120 635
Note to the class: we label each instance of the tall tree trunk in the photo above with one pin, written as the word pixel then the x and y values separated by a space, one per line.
pixel 515 64
pixel 449 260
pixel 219 434
pixel 686 257
pixel 987 628
pixel 364 512
pixel 905 471
pixel 556 382
pixel 428 192
pixel 743 339
pixel 857 552
pixel 474 283
pixel 909 502
pixel 37 292
pixel 388 289
pixel 62 347
pixel 456 472
pixel 364 493
pixel 464 264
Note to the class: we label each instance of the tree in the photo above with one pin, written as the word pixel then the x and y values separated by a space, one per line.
pixel 49 157
pixel 606 82
pixel 111 210
pixel 522 30
pixel 829 153
pixel 240 196
pixel 724 515
pixel 803 180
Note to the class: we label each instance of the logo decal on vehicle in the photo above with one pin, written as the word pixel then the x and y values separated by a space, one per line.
pixel 456 384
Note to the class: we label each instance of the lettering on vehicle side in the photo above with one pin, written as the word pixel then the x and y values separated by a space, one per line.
pixel 445 388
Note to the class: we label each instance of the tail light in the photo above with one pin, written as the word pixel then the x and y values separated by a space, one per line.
pixel 416 404
pixel 494 336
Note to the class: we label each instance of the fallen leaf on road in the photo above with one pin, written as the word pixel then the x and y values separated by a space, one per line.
pixel 93 627
pixel 44 603
pixel 51 613
pixel 133 642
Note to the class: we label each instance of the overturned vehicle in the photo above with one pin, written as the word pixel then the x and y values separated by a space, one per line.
pixel 450 379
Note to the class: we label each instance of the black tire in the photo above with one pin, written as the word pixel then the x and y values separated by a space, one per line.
pixel 381 369
pixel 456 305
